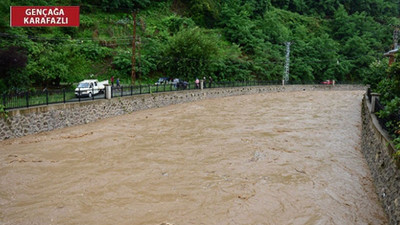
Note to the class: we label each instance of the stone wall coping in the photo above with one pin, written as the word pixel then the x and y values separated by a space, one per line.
pixel 385 138
pixel 71 105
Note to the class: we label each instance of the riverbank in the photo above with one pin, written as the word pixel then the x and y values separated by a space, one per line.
pixel 22 122
pixel 378 151
pixel 277 158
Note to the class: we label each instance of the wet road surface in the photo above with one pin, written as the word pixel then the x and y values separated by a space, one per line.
pixel 274 158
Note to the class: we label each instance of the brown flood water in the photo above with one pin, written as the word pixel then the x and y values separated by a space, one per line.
pixel 276 158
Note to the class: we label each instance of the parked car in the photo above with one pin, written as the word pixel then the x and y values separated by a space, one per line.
pixel 162 80
pixel 90 88
pixel 327 82
pixel 182 85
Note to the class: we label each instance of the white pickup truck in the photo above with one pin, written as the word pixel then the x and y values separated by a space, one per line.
pixel 90 88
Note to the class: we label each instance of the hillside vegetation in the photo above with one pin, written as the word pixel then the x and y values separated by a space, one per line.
pixel 227 39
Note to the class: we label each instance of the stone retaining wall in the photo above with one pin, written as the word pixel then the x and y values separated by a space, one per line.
pixel 385 169
pixel 21 122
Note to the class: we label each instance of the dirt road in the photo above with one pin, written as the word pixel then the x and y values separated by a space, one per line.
pixel 274 158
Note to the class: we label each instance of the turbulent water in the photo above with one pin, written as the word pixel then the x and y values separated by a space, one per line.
pixel 275 158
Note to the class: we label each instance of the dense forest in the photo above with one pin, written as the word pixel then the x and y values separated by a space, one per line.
pixel 227 39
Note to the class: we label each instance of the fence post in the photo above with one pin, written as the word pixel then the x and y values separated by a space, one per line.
pixel 122 91
pixel 27 99
pixel 79 94
pixel 64 95
pixel 107 93
pixel 375 97
pixel 140 88
pixel 369 94
pixel 92 93
pixel 131 90
pixel 47 97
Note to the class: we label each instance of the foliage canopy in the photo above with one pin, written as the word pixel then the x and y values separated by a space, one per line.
pixel 227 39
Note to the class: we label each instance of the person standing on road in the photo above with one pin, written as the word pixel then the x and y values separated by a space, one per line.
pixel 175 82
pixel 210 80
pixel 117 82
pixel 112 81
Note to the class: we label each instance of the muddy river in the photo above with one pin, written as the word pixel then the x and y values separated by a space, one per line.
pixel 274 158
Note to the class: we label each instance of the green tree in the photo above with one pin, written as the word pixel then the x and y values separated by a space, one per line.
pixel 204 12
pixel 238 26
pixel 315 59
pixel 122 63
pixel 190 54
pixel 375 73
pixel 394 75
pixel 46 69
pixel 360 55
pixel 259 7
pixel 12 64
pixel 342 26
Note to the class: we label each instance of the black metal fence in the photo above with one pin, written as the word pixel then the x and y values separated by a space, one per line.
pixel 394 118
pixel 46 97
pixel 121 91
pixel 382 120
pixel 369 95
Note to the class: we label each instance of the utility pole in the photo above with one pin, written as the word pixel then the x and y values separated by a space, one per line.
pixel 133 75
pixel 395 37
pixel 143 26
pixel 285 77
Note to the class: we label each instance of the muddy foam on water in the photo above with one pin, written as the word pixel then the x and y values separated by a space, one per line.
pixel 274 158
